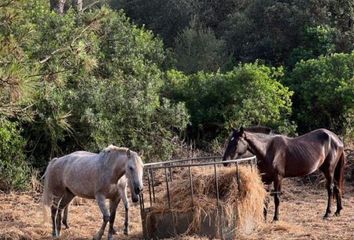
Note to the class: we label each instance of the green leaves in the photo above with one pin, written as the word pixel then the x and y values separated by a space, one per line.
pixel 100 82
pixel 250 94
pixel 198 49
pixel 324 91
pixel 14 171
pixel 16 84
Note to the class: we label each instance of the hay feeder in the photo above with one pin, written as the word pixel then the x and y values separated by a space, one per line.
pixel 197 196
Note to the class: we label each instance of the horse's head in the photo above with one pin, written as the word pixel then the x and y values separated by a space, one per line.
pixel 134 172
pixel 237 146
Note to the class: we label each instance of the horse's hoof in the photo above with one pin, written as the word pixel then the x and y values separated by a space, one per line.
pixel 125 232
pixel 337 214
pixel 325 217
pixel 96 237
pixel 54 235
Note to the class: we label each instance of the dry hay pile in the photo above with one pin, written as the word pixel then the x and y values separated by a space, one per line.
pixel 245 200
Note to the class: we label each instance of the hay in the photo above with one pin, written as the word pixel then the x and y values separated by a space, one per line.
pixel 246 199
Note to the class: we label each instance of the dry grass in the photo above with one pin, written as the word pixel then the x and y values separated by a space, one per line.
pixel 301 210
pixel 246 198
pixel 21 218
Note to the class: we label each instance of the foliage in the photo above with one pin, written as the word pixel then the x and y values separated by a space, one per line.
pixel 66 60
pixel 97 81
pixel 104 86
pixel 83 80
pixel 250 94
pixel 16 83
pixel 319 40
pixel 197 49
pixel 164 17
pixel 324 91
pixel 14 171
pixel 278 32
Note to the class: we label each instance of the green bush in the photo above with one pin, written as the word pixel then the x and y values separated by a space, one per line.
pixel 324 90
pixel 250 94
pixel 14 171
pixel 101 86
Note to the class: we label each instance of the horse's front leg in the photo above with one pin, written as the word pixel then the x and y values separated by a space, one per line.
pixel 124 197
pixel 126 220
pixel 277 190
pixel 101 203
pixel 265 208
pixel 266 202
pixel 113 204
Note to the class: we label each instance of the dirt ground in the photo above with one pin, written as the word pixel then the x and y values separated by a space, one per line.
pixel 301 210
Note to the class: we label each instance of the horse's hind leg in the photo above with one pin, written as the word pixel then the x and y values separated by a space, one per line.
pixel 329 185
pixel 65 217
pixel 338 194
pixel 56 223
pixel 57 208
pixel 68 198
pixel 339 182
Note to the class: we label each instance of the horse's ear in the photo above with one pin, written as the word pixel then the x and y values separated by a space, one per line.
pixel 128 153
pixel 141 153
pixel 233 129
pixel 241 130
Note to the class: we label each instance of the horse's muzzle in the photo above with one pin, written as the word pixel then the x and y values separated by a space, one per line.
pixel 226 159
pixel 135 199
pixel 138 190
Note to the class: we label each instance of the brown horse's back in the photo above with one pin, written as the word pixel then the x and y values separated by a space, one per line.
pixel 305 154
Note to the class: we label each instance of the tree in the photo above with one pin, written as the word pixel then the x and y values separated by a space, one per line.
pixel 165 18
pixel 198 49
pixel 317 41
pixel 16 71
pixel 248 95
pixel 100 82
pixel 324 91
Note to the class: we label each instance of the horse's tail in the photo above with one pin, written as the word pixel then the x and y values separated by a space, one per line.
pixel 47 197
pixel 339 172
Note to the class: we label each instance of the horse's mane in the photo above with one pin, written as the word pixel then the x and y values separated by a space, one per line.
pixel 106 153
pixel 259 129
pixel 115 148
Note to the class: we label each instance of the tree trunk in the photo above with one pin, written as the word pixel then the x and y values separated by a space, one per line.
pixel 61 6
pixel 79 5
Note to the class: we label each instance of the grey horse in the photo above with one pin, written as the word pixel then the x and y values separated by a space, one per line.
pixel 94 176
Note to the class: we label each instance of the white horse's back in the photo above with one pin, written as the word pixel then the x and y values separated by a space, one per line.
pixel 81 171
pixel 91 175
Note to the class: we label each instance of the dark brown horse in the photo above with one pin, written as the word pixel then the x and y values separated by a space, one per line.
pixel 280 157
